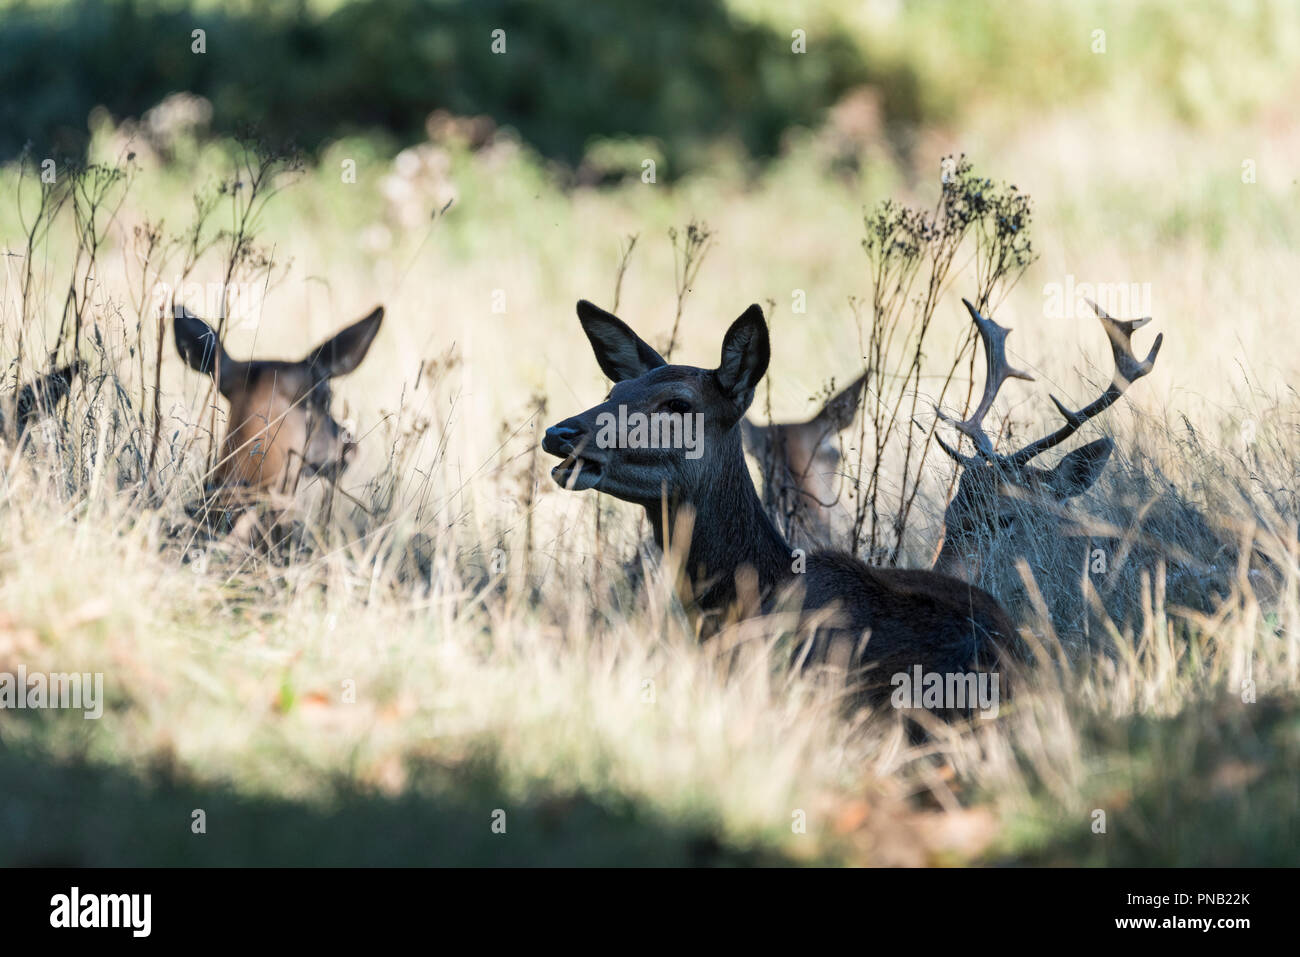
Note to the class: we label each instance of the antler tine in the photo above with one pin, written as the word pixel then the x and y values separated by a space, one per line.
pixel 1120 332
pixel 964 460
pixel 1128 369
pixel 998 370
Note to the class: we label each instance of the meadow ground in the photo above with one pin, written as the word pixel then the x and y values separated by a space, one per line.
pixel 460 646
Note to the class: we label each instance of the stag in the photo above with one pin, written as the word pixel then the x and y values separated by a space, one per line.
pixel 1000 496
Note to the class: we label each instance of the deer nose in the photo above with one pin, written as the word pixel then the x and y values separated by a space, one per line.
pixel 561 439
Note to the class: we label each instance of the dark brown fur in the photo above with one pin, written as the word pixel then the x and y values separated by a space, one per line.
pixel 39 397
pixel 881 621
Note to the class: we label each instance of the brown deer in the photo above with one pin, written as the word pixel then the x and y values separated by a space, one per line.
pixel 800 465
pixel 1005 504
pixel 38 398
pixel 875 623
pixel 280 429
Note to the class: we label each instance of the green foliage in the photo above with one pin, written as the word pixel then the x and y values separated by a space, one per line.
pixel 687 76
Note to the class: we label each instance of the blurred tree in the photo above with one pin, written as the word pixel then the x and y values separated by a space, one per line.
pixel 685 73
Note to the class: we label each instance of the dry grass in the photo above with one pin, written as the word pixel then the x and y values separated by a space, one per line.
pixel 549 687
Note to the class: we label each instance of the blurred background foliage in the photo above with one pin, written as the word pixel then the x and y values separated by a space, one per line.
pixel 696 77
pixel 689 76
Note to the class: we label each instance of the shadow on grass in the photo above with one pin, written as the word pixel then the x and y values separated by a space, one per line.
pixel 75 813
pixel 1218 785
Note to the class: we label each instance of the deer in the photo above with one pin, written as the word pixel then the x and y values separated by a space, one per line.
pixel 280 429
pixel 1001 497
pixel 800 464
pixel 36 399
pixel 870 624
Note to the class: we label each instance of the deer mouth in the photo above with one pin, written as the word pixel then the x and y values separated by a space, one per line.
pixel 578 475
pixel 575 472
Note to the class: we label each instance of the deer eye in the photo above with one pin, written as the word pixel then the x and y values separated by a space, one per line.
pixel 677 406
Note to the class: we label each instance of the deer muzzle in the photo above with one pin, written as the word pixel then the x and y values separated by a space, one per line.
pixel 568 440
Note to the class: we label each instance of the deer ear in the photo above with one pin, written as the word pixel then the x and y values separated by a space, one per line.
pixel 343 353
pixel 622 354
pixel 745 354
pixel 1076 472
pixel 839 411
pixel 199 346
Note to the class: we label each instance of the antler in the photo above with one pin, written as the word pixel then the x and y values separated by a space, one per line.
pixel 999 370
pixel 1128 369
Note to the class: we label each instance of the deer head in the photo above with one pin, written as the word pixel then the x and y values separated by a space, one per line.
pixel 667 438
pixel 801 461
pixel 280 426
pixel 1002 494
pixel 873 622
pixel 687 416
pixel 38 398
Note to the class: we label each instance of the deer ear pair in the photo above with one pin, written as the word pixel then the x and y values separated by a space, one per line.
pixel 622 354
pixel 199 346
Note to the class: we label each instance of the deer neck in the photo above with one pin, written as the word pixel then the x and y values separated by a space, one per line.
pixel 730 530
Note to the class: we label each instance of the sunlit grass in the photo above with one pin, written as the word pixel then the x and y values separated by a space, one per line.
pixel 552 686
